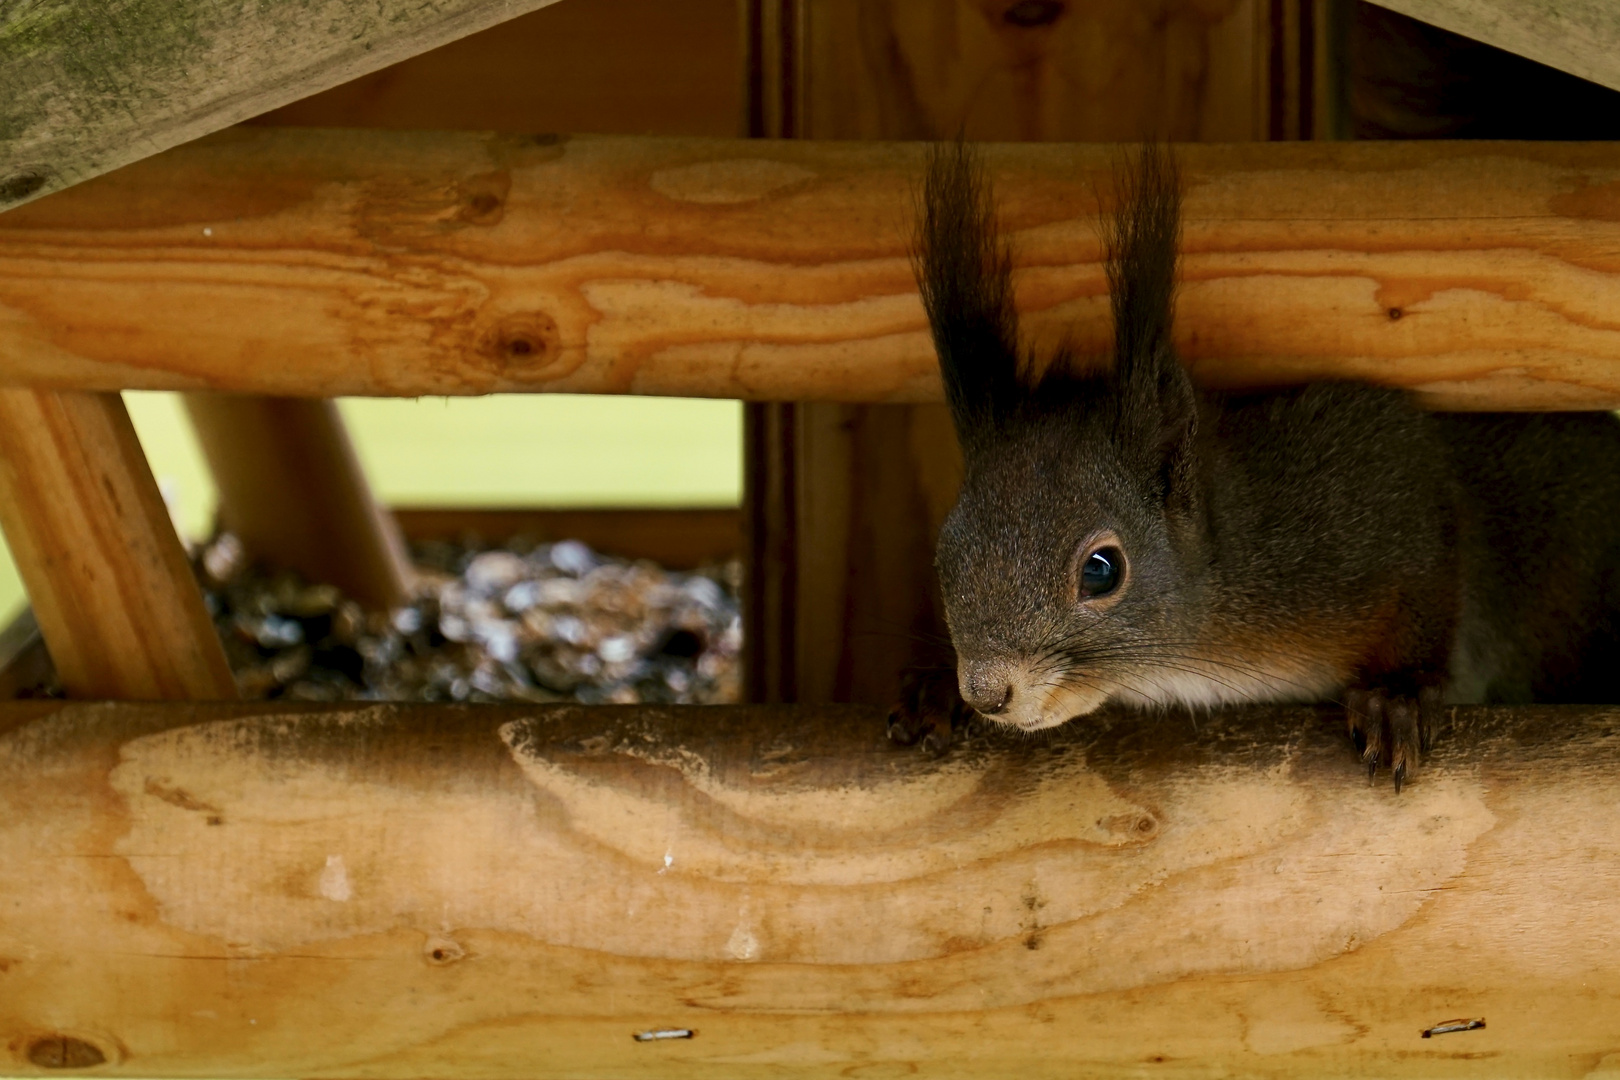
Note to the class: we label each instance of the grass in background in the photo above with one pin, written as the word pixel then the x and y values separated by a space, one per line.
pixel 539 450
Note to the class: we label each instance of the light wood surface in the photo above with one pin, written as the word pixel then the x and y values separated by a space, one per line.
pixel 86 86
pixel 415 891
pixel 110 584
pixel 316 263
pixel 292 489
pixel 1581 37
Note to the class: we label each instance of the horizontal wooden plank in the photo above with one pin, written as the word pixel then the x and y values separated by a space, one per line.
pixel 87 86
pixel 680 539
pixel 413 891
pixel 1581 37
pixel 320 263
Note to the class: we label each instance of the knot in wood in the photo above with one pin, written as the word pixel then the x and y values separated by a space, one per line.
pixel 442 951
pixel 21 184
pixel 524 342
pixel 483 198
pixel 1031 13
pixel 64 1052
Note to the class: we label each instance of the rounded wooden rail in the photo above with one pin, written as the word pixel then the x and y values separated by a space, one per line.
pixel 321 263
pixel 411 891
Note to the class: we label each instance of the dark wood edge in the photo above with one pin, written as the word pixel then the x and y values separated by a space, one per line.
pixel 678 538
pixel 24 660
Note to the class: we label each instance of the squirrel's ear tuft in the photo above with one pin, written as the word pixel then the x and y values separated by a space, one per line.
pixel 964 271
pixel 1142 238
pixel 1159 407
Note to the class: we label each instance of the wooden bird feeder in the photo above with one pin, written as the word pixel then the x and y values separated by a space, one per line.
pixel 191 885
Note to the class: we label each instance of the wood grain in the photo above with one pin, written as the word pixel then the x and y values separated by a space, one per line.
pixel 87 86
pixel 411 891
pixel 313 263
pixel 109 582
pixel 1581 37
pixel 292 489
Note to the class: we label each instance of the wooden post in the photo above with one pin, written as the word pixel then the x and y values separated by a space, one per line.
pixel 517 893
pixel 109 581
pixel 292 489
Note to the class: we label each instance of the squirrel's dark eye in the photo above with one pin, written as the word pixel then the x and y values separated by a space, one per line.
pixel 1100 572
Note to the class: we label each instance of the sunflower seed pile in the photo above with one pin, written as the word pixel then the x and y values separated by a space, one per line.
pixel 524 622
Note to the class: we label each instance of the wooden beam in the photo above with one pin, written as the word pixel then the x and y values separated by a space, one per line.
pixel 1581 37
pixel 321 263
pixel 109 582
pixel 490 892
pixel 676 538
pixel 88 86
pixel 292 489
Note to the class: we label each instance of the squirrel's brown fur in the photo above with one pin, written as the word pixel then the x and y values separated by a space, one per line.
pixel 1332 542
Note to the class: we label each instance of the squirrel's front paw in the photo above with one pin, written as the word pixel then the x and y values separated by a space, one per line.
pixel 930 710
pixel 1391 730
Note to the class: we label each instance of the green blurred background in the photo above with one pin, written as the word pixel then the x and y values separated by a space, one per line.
pixel 533 450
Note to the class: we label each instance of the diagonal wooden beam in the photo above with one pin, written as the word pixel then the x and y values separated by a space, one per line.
pixel 1581 37
pixel 110 584
pixel 89 85
pixel 292 489
pixel 325 263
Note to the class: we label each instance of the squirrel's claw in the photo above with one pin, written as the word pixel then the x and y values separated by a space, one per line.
pixel 1390 731
pixel 930 710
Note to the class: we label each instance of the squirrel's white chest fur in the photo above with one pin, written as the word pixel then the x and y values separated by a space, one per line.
pixel 1037 703
pixel 1192 688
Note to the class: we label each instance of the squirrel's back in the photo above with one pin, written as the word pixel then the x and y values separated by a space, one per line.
pixel 1122 536
pixel 1491 538
pixel 1539 541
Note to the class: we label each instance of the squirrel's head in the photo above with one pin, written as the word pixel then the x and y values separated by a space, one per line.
pixel 1067 562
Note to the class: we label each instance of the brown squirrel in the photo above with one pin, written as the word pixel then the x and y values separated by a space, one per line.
pixel 1122 536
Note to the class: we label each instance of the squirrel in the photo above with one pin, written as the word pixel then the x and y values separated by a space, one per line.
pixel 1123 536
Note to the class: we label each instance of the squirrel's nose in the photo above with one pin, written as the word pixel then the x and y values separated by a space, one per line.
pixel 989 700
